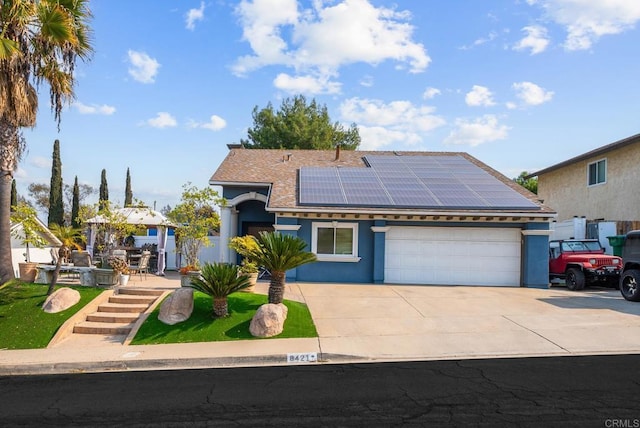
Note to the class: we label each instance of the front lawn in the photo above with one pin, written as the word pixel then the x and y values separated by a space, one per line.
pixel 203 327
pixel 23 323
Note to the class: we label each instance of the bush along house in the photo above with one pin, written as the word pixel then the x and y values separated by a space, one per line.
pixel 432 218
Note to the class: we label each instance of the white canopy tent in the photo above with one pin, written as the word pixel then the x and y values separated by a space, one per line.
pixel 138 216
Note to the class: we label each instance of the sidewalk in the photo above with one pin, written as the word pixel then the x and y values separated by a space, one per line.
pixel 366 323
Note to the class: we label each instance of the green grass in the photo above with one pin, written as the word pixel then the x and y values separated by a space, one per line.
pixel 203 327
pixel 23 323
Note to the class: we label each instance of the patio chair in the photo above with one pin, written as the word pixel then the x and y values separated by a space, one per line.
pixel 81 258
pixel 121 254
pixel 142 266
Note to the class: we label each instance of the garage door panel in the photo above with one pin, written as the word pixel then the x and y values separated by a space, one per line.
pixel 455 256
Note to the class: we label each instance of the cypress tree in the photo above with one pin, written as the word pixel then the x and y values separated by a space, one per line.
pixel 104 190
pixel 14 194
pixel 128 194
pixel 75 205
pixel 56 204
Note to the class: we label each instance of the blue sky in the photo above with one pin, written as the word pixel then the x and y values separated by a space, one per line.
pixel 519 84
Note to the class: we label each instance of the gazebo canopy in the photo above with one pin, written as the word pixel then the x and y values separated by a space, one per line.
pixel 137 215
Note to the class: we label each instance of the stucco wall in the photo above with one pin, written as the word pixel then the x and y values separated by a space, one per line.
pixel 566 190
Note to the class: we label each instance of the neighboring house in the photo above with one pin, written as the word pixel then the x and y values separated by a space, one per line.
pixel 600 185
pixel 388 217
pixel 37 255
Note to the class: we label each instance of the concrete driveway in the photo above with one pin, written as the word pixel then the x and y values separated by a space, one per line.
pixel 391 322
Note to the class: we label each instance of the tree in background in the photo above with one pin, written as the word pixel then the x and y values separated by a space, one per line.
pixel 75 205
pixel 196 217
pixel 40 42
pixel 14 194
pixel 104 190
pixel 128 194
pixel 298 125
pixel 39 194
pixel 56 204
pixel 530 184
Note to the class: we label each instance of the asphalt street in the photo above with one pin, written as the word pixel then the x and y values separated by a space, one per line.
pixel 584 391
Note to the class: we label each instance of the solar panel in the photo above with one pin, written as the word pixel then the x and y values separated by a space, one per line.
pixel 410 181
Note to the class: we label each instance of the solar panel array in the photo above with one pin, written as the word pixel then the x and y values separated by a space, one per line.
pixel 445 182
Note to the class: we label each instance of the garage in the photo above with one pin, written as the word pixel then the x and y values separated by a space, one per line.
pixel 453 256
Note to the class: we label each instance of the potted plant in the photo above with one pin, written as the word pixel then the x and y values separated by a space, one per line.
pixel 30 234
pixel 122 267
pixel 187 273
pixel 244 245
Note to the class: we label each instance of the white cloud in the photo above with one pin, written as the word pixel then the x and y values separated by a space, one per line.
pixel 162 120
pixel 479 96
pixel 143 67
pixel 587 20
pixel 367 81
pixel 475 132
pixel 532 94
pixel 306 84
pixel 215 123
pixel 430 93
pixel 536 40
pixel 481 41
pixel 194 15
pixel 41 162
pixel 326 37
pixel 20 173
pixel 383 124
pixel 94 109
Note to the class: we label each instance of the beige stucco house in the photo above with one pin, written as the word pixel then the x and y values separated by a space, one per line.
pixel 600 185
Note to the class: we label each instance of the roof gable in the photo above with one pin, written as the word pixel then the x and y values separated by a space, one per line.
pixel 593 153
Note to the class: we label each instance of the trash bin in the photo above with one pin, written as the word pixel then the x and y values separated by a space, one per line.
pixel 617 242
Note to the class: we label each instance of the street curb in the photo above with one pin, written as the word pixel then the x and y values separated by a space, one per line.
pixel 167 364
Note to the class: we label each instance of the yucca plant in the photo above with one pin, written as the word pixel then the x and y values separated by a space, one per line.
pixel 279 253
pixel 218 280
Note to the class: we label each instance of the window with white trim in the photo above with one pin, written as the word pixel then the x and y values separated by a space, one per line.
pixel 335 241
pixel 597 172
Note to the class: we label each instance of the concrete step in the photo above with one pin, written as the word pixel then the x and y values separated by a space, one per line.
pixel 88 327
pixel 123 307
pixel 132 299
pixel 113 317
pixel 140 291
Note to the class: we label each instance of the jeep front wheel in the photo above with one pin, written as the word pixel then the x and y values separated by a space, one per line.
pixel 629 285
pixel 575 279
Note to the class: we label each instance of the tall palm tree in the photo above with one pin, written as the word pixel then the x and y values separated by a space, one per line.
pixel 40 42
pixel 218 280
pixel 280 253
pixel 70 238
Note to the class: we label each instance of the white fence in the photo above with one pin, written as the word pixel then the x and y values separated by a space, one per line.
pixel 207 254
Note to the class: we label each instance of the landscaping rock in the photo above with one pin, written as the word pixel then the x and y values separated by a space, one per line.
pixel 268 320
pixel 60 300
pixel 177 307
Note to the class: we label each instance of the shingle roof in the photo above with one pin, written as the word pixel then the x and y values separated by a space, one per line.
pixel 279 170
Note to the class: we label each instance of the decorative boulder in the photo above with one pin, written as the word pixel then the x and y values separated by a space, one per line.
pixel 177 307
pixel 268 320
pixel 60 300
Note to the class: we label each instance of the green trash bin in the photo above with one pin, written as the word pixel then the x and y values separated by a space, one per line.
pixel 617 242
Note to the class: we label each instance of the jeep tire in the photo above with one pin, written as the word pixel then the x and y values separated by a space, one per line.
pixel 630 285
pixel 575 279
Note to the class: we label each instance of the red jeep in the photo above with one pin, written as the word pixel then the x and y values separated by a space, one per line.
pixel 582 262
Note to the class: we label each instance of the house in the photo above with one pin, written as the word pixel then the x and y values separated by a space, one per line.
pixel 19 250
pixel 388 217
pixel 600 185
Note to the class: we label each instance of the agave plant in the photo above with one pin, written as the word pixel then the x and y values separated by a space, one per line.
pixel 279 253
pixel 218 280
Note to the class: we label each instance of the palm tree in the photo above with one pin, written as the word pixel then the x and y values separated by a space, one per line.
pixel 218 280
pixel 40 41
pixel 279 253
pixel 70 238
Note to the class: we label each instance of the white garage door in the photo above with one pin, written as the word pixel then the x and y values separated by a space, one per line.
pixel 452 256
